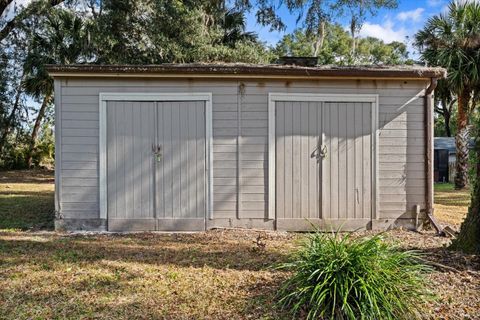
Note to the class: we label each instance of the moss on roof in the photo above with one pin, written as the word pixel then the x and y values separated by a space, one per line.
pixel 253 70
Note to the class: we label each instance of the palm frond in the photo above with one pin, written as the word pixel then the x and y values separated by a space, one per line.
pixel 452 40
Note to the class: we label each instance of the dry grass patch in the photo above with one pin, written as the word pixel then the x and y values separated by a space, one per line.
pixel 451 205
pixel 216 275
pixel 212 275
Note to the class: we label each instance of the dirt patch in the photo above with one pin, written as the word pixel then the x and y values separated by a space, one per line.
pixel 456 277
pixel 27 176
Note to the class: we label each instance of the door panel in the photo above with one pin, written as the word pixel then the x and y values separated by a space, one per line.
pixel 180 172
pixel 346 169
pixel 130 180
pixel 298 128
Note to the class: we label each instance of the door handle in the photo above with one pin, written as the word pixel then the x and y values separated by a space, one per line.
pixel 319 153
pixel 157 152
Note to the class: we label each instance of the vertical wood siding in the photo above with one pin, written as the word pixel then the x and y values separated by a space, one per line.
pixel 240 126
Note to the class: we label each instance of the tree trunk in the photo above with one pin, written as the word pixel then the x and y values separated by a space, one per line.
pixel 36 129
pixel 320 38
pixel 9 123
pixel 353 26
pixel 461 141
pixel 446 113
pixel 469 238
pixel 448 130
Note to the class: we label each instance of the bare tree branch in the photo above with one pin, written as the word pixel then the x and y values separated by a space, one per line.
pixel 450 105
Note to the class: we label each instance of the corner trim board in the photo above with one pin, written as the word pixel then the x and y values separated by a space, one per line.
pixel 308 97
pixel 429 134
pixel 375 157
pixel 139 96
pixel 58 144
pixel 103 156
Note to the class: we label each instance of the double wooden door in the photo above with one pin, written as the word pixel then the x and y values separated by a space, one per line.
pixel 323 164
pixel 156 165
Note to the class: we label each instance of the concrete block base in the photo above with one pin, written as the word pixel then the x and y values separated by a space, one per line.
pixel 80 224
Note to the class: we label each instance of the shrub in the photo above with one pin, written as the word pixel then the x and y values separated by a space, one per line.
pixel 347 277
pixel 17 146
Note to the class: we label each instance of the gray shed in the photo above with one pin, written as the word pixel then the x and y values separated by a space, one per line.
pixel 445 158
pixel 179 147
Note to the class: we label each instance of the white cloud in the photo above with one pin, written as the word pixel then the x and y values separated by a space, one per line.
pixel 414 15
pixel 385 31
pixel 434 3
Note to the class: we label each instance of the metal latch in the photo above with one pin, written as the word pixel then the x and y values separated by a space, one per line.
pixel 157 152
pixel 319 153
pixel 323 152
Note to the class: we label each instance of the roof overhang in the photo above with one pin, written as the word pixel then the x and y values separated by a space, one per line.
pixel 239 70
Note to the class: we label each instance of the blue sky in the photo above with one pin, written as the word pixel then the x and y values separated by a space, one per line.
pixel 388 25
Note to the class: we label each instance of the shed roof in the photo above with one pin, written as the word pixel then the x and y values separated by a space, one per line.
pixel 448 143
pixel 246 70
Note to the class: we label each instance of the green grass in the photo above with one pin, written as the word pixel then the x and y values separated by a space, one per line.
pixel 442 187
pixel 445 194
pixel 26 200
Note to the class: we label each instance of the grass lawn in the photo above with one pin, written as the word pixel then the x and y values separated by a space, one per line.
pixel 26 199
pixel 451 205
pixel 219 274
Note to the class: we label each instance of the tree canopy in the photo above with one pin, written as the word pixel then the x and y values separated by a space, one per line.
pixel 337 48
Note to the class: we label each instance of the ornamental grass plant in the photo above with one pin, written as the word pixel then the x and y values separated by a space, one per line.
pixel 342 276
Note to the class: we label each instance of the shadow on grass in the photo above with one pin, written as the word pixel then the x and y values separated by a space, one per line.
pixel 27 210
pixel 457 260
pixel 27 176
pixel 26 200
pixel 160 250
pixel 184 276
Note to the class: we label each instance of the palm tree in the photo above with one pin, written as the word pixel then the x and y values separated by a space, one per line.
pixel 452 40
pixel 234 28
pixel 62 39
pixel 468 239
